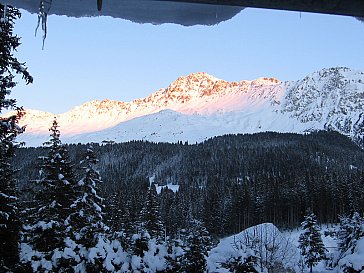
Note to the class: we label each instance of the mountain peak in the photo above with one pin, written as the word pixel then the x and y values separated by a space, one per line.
pixel 193 79
pixel 265 81
pixel 198 76
pixel 205 106
pixel 202 84
pixel 192 85
pixel 335 73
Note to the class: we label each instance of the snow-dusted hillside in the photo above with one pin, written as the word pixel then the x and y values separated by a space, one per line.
pixel 199 106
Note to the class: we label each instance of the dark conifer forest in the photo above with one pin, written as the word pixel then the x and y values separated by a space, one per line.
pixel 229 183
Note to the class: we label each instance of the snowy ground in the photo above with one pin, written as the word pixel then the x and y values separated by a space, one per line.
pixel 288 247
pixel 329 242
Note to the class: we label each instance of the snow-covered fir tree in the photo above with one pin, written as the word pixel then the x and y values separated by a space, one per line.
pixel 198 245
pixel 351 235
pixel 9 67
pixel 145 230
pixel 351 230
pixel 151 220
pixel 127 226
pixel 87 219
pixel 114 212
pixel 174 259
pixel 310 242
pixel 48 224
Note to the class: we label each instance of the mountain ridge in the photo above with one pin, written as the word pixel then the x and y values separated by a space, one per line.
pixel 329 99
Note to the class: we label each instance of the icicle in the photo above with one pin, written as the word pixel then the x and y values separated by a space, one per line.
pixel 5 10
pixel 44 8
pixel 4 17
pixel 99 5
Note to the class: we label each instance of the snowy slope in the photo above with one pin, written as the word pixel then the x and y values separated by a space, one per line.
pixel 330 99
pixel 199 106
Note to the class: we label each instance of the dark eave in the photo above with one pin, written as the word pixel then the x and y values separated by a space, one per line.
pixel 340 7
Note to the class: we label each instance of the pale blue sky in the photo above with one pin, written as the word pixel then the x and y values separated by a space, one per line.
pixel 102 57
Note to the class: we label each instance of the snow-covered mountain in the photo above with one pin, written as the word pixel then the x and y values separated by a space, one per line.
pixel 200 106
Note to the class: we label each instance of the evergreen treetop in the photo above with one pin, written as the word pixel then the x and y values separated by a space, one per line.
pixel 198 245
pixel 351 230
pixel 310 242
pixel 49 228
pixel 151 220
pixel 9 65
pixel 88 205
pixel 58 178
pixel 9 129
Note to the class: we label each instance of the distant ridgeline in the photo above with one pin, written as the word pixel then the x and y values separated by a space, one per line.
pixel 235 180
